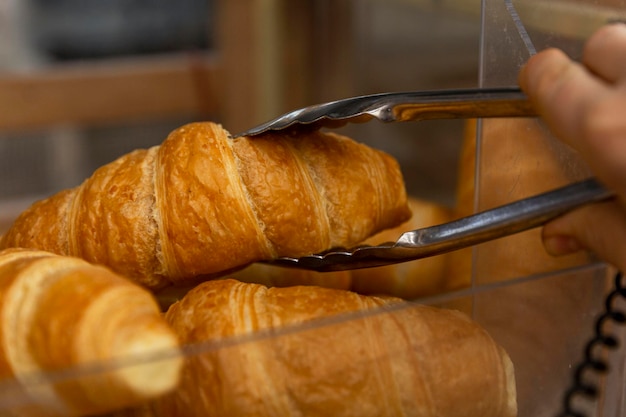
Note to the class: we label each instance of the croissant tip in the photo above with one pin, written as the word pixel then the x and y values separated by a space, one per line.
pixel 158 371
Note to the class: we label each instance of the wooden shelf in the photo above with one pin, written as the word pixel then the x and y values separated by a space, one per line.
pixel 109 91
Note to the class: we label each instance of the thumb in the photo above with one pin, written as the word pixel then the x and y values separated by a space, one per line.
pixel 599 228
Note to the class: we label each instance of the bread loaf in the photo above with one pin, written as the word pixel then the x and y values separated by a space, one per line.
pixel 519 160
pixel 59 313
pixel 293 352
pixel 202 203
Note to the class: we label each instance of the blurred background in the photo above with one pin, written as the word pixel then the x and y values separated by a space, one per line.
pixel 84 81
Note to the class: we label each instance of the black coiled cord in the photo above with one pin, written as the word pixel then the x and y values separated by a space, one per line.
pixel 579 386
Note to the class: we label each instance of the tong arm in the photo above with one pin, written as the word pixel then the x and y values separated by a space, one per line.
pixel 481 227
pixel 403 107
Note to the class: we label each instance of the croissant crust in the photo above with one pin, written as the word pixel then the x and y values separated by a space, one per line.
pixel 332 352
pixel 68 322
pixel 202 203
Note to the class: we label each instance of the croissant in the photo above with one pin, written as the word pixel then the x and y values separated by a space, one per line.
pixel 57 313
pixel 202 203
pixel 289 351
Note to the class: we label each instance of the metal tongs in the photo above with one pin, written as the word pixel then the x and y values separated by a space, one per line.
pixel 404 107
pixel 481 227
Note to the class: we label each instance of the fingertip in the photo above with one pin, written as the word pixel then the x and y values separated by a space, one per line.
pixel 598 228
pixel 603 52
pixel 540 73
pixel 560 245
pixel 615 28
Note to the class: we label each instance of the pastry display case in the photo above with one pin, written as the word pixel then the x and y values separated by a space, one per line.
pixel 541 311
pixel 547 316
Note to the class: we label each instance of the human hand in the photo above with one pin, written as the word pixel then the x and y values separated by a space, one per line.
pixel 584 104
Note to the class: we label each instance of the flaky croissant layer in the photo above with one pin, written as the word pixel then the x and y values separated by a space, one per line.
pixel 77 339
pixel 381 358
pixel 202 203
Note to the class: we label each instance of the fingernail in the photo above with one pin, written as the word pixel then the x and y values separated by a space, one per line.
pixel 561 245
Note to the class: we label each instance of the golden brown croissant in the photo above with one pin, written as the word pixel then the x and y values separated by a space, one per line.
pixel 58 313
pixel 202 203
pixel 409 360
